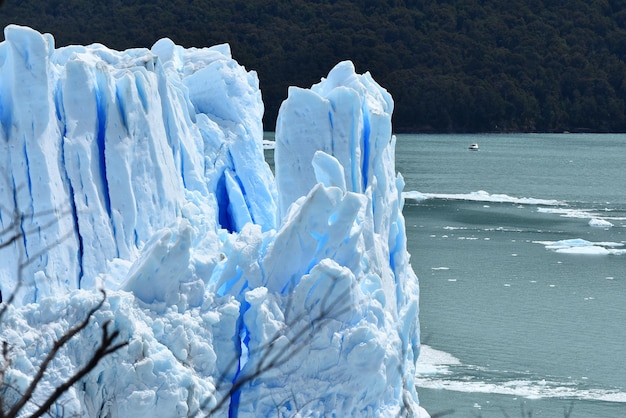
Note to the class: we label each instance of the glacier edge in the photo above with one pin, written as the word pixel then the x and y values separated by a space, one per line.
pixel 142 172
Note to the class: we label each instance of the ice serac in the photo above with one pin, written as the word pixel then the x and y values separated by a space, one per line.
pixel 342 127
pixel 101 148
pixel 33 183
pixel 142 172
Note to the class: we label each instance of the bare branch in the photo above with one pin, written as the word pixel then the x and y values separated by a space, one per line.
pixel 47 248
pixel 5 366
pixel 18 218
pixel 10 235
pixel 18 234
pixel 106 347
pixel 19 281
pixel 271 356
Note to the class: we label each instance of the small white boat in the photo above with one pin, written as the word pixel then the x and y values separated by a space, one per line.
pixel 473 147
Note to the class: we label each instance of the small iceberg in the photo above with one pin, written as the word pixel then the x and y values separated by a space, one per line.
pixel 600 223
pixel 581 246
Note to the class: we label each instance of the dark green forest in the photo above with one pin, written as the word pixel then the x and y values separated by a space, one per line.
pixel 451 65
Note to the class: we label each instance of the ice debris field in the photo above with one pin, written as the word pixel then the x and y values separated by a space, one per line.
pixel 240 293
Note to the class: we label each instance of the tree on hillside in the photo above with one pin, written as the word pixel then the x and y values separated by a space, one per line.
pixel 491 65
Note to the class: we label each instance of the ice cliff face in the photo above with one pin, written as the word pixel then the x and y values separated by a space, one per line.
pixel 142 172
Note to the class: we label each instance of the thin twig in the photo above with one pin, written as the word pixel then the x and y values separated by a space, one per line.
pixel 298 341
pixel 106 347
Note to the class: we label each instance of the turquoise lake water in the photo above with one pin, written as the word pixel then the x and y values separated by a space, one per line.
pixel 520 251
pixel 519 248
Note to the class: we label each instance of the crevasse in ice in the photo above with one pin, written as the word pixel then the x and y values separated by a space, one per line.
pixel 141 172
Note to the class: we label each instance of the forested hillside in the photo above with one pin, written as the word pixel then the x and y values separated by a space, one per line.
pixel 451 66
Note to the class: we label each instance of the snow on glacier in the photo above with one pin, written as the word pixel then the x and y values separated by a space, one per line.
pixel 142 172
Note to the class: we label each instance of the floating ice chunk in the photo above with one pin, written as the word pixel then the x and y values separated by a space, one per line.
pixel 600 223
pixel 570 213
pixel 591 250
pixel 483 196
pixel 581 246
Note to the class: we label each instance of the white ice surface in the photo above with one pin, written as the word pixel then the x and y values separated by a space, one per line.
pixel 142 172
pixel 482 196
pixel 581 246
pixel 600 223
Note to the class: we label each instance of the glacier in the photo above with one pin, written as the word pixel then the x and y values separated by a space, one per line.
pixel 241 293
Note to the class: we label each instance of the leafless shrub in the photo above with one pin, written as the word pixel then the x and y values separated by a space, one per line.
pixel 11 235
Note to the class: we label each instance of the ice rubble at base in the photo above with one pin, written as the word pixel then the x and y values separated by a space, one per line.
pixel 142 172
